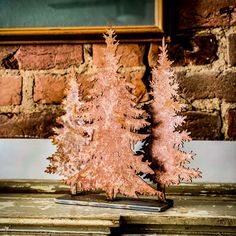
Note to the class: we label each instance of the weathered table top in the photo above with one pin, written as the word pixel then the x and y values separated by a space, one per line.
pixel 38 214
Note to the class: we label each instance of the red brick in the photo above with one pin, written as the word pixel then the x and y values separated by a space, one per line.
pixel 232 49
pixel 198 49
pixel 98 54
pixel 231 132
pixel 50 88
pixel 10 90
pixel 177 54
pixel 86 84
pixel 131 54
pixel 35 125
pixel 203 125
pixel 206 13
pixel 42 57
pixel 6 56
pixel 140 90
pixel 233 18
pixel 208 85
pixel 153 54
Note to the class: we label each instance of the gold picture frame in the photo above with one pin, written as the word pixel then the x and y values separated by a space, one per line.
pixel 145 33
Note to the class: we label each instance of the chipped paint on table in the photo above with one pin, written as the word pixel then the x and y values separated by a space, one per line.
pixel 27 207
pixel 39 211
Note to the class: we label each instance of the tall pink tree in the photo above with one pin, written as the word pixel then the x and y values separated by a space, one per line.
pixel 167 157
pixel 105 130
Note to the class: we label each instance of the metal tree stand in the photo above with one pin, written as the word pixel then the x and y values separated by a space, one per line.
pixel 99 200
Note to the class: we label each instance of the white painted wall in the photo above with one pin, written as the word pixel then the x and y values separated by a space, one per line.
pixel 26 159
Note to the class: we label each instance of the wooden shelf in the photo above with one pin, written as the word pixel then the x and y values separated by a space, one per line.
pixel 206 213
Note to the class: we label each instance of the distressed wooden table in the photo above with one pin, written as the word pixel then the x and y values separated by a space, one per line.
pixel 203 211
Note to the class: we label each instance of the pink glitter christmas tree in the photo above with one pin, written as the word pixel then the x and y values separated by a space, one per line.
pixel 94 145
pixel 168 160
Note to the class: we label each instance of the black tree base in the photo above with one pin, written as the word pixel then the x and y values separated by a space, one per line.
pixel 99 200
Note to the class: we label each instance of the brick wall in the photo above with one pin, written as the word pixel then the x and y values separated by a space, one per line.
pixel 33 78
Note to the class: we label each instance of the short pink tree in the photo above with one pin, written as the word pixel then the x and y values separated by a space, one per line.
pixel 168 160
pixel 74 135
